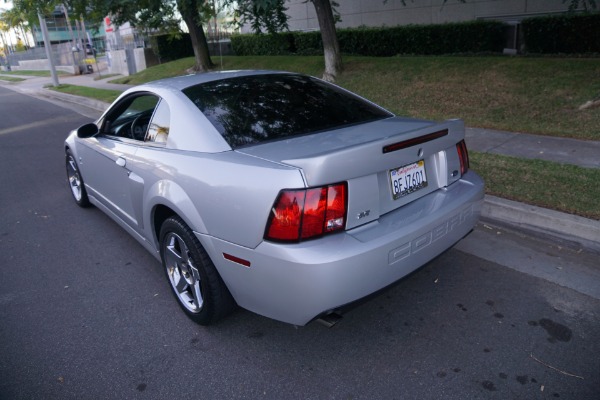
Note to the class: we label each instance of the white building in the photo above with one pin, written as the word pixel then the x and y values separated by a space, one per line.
pixel 376 13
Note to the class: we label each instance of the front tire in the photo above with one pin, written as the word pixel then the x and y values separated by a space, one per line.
pixel 195 282
pixel 75 181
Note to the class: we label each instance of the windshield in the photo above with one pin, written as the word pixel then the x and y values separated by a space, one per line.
pixel 252 109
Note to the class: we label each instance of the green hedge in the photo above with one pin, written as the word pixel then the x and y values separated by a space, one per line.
pixel 550 35
pixel 465 37
pixel 263 45
pixel 570 34
pixel 308 43
pixel 169 48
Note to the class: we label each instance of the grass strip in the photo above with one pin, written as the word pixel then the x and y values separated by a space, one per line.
pixel 105 95
pixel 165 70
pixel 106 76
pixel 33 73
pixel 562 187
pixel 11 78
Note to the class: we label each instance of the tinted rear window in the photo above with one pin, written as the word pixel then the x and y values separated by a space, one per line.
pixel 252 109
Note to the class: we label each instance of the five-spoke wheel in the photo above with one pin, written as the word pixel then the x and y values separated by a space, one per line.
pixel 75 181
pixel 194 279
pixel 183 274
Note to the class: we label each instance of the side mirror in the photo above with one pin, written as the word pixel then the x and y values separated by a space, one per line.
pixel 87 130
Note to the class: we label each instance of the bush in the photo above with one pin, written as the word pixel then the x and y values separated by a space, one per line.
pixel 465 37
pixel 169 48
pixel 570 34
pixel 263 45
pixel 308 43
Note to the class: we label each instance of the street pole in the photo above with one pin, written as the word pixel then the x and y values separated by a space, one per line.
pixel 48 48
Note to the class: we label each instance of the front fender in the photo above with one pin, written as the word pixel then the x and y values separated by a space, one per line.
pixel 70 141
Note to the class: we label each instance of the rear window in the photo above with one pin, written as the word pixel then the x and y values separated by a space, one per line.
pixel 253 109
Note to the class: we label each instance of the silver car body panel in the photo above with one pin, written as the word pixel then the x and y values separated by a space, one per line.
pixel 226 196
pixel 340 155
pixel 232 204
pixel 295 283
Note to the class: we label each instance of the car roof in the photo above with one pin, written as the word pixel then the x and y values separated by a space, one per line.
pixel 182 82
pixel 171 89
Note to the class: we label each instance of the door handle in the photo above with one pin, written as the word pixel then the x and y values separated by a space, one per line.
pixel 121 162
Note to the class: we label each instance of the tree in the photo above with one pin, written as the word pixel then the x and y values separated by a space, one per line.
pixel 18 21
pixel 191 12
pixel 331 46
pixel 163 15
pixel 11 20
pixel 270 14
pixel 4 28
pixel 267 14
pixel 27 10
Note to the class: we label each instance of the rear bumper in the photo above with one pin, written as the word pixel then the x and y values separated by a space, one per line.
pixel 295 283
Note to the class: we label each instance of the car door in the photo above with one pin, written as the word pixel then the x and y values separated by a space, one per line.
pixel 109 157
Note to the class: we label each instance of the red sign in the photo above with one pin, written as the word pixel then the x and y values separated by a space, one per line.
pixel 108 24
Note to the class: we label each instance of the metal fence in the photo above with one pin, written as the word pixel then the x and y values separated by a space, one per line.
pixel 70 57
pixel 130 41
pixel 63 54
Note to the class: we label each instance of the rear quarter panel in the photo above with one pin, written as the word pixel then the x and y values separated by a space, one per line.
pixel 224 195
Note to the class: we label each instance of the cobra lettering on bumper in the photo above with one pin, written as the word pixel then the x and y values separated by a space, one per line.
pixel 421 242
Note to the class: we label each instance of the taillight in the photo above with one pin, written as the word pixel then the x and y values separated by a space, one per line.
pixel 307 213
pixel 463 155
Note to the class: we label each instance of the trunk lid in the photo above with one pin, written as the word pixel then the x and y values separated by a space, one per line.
pixel 356 155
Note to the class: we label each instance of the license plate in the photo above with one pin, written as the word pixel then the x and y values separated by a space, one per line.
pixel 408 179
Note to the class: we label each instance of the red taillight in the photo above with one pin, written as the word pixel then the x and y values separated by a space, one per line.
pixel 463 155
pixel 286 216
pixel 307 213
pixel 314 212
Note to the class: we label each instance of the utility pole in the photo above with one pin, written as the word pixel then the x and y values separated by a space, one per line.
pixel 48 48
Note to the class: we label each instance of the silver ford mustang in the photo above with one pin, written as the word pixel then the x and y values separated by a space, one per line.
pixel 274 191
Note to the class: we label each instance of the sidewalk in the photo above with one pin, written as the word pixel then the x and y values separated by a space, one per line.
pixel 584 153
pixel 89 80
pixel 35 84
pixel 565 227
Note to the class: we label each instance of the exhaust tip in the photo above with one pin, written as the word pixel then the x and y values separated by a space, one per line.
pixel 329 320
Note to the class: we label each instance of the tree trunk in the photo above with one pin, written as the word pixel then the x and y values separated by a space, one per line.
pixel 4 44
pixel 199 44
pixel 25 39
pixel 331 47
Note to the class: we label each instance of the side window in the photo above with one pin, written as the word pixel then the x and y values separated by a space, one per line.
pixel 158 129
pixel 130 118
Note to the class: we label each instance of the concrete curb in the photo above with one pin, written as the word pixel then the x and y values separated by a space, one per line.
pixel 80 100
pixel 572 228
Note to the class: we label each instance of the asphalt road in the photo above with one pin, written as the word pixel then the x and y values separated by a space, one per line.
pixel 86 313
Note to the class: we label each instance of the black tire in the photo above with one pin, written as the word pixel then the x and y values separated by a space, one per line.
pixel 75 181
pixel 193 278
